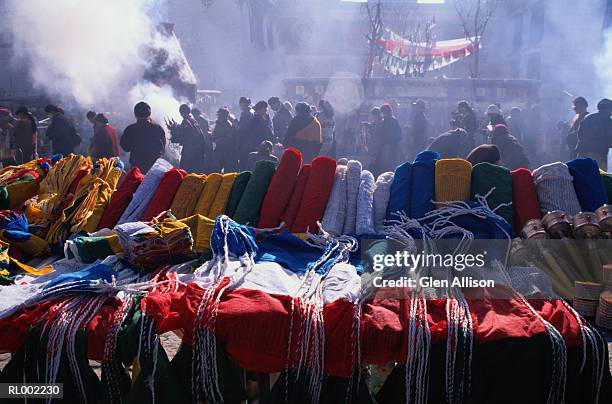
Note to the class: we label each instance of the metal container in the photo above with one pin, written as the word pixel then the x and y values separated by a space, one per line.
pixel 586 225
pixel 534 230
pixel 604 217
pixel 557 224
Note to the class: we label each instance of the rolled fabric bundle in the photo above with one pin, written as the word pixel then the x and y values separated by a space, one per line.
pixel 293 205
pixel 365 204
pixel 335 211
pixel 218 206
pixel 487 177
pixel 110 176
pixel 524 198
pixel 423 189
pixel 249 206
pixel 606 178
pixel 120 199
pixel 588 183
pixel 207 197
pixel 353 181
pixel 187 195
pixel 88 249
pixel 238 188
pixel 382 193
pixel 280 189
pixel 145 192
pixel 201 229
pixel 555 188
pixel 453 180
pixel 399 198
pixel 316 195
pixel 164 194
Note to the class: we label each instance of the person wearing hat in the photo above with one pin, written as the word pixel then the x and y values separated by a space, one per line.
pixel 420 127
pixel 304 133
pixel 104 142
pixel 224 136
pixel 580 106
pixel 24 133
pixel 145 140
pixel 485 153
pixel 281 119
pixel 512 154
pixel 61 132
pixel 495 115
pixel 594 134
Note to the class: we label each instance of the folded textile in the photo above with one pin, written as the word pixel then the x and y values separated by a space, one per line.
pixel 382 193
pixel 335 211
pixel 20 183
pixel 207 197
pixel 588 183
pixel 201 229
pixel 288 216
pixel 353 180
pixel 399 197
pixel 607 182
pixel 524 198
pixel 422 185
pixel 365 204
pixel 248 208
pixel 237 190
pixel 555 188
pixel 93 273
pixel 108 172
pixel 88 249
pixel 496 182
pixel 14 230
pixel 316 194
pixel 453 180
pixel 223 193
pixel 187 195
pixel 165 192
pixel 120 199
pixel 145 192
pixel 280 189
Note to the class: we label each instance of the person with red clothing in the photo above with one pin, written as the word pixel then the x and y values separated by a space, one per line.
pixel 104 142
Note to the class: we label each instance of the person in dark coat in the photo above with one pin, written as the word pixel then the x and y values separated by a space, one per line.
pixel 304 133
pixel 420 127
pixel 260 128
pixel 61 132
pixel 390 137
pixel 466 119
pixel 145 140
pixel 516 124
pixel 485 153
pixel 512 153
pixel 224 136
pixel 104 142
pixel 243 127
pixel 263 153
pixel 452 144
pixel 594 134
pixel 282 117
pixel 190 135
pixel 24 134
pixel 580 106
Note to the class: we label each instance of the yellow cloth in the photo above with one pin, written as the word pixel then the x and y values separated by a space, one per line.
pixel 4 256
pixel 19 192
pixel 186 198
pixel 105 191
pixel 115 245
pixel 201 229
pixel 213 182
pixel 218 206
pixel 453 180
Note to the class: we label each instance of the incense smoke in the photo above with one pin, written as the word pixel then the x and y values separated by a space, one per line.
pixel 604 64
pixel 94 53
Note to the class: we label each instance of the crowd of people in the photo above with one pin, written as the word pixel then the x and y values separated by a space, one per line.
pixel 262 131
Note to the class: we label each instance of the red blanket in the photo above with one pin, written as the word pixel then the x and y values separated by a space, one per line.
pixel 296 196
pixel 162 198
pixel 121 199
pixel 524 198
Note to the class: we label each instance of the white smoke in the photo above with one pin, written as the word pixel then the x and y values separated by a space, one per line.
pixel 604 65
pixel 91 51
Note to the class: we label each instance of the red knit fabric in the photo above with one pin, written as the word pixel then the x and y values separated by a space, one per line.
pixel 280 189
pixel 164 194
pixel 316 194
pixel 296 196
pixel 524 198
pixel 121 199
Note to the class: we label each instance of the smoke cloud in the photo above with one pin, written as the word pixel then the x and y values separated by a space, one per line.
pixel 94 53
pixel 604 64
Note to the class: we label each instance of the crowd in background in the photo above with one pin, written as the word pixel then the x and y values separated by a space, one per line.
pixel 236 140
